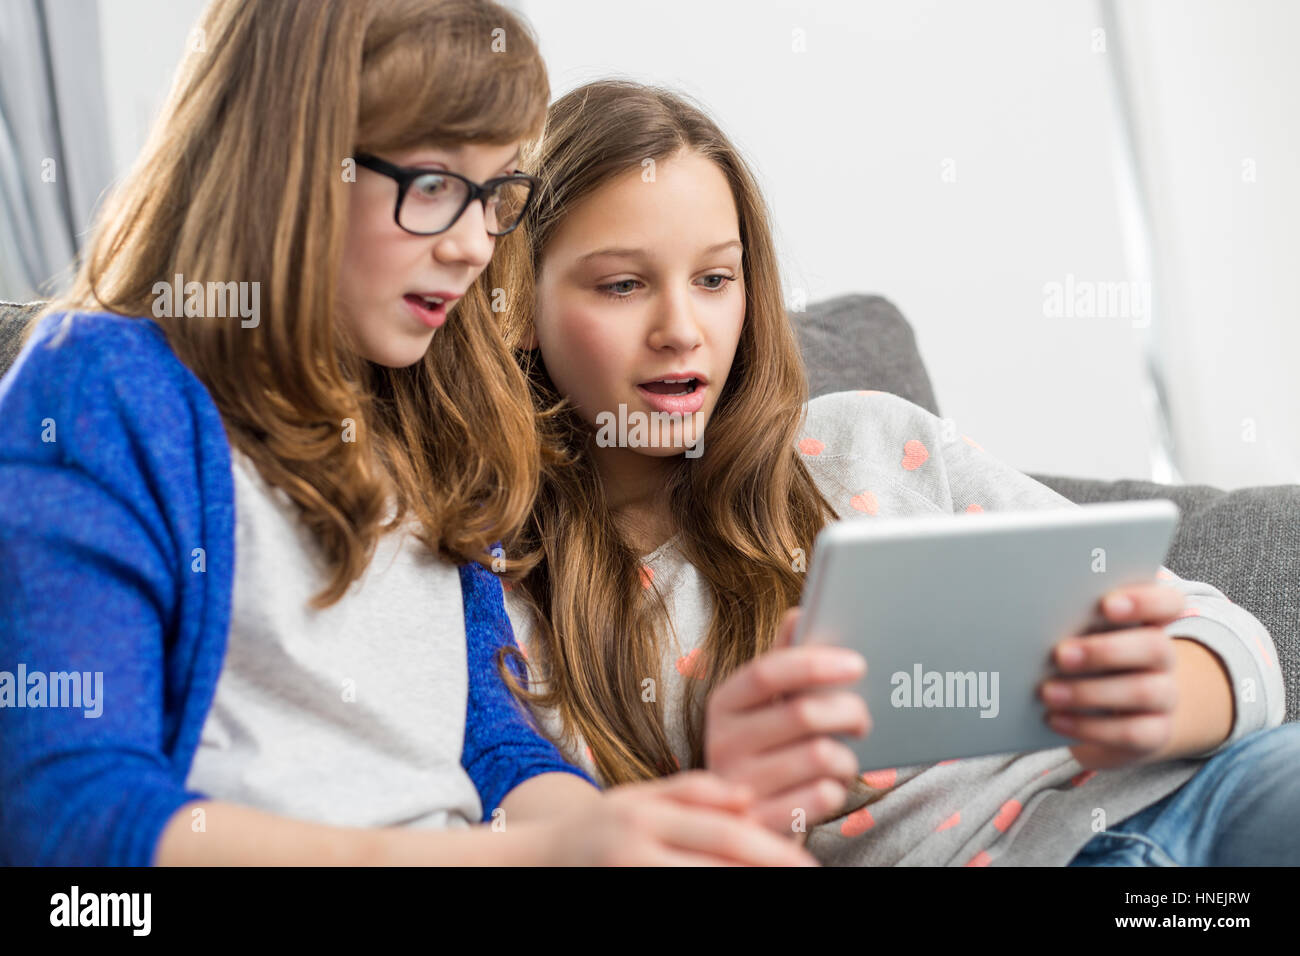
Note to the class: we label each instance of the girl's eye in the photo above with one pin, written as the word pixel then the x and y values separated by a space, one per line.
pixel 721 283
pixel 430 187
pixel 619 290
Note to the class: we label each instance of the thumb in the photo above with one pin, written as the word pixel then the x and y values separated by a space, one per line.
pixel 786 629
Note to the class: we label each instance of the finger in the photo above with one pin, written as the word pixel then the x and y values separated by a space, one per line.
pixel 724 836
pixel 808 805
pixel 1146 604
pixel 701 788
pixel 787 670
pixel 794 719
pixel 1138 733
pixel 1140 648
pixel 786 629
pixel 1144 692
pixel 786 768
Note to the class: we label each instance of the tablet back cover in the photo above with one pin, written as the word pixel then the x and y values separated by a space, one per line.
pixel 957 616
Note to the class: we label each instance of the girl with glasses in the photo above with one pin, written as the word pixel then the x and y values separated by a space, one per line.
pixel 268 537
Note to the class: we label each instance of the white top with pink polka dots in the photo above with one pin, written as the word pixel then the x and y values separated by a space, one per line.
pixel 877 454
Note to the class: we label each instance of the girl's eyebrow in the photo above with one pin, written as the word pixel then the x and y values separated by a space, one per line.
pixel 625 253
pixel 635 253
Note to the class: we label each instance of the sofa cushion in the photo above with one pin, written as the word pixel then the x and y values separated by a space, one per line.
pixel 862 341
pixel 14 317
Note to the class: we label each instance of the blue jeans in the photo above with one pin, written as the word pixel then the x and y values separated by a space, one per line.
pixel 1242 808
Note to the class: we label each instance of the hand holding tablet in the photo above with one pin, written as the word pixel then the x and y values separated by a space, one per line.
pixel 768 725
pixel 959 618
pixel 1119 687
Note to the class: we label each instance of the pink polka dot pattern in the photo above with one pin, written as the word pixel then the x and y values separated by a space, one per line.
pixel 857 822
pixel 647 576
pixel 692 664
pixel 865 502
pixel 974 509
pixel 811 446
pixel 1079 779
pixel 880 779
pixel 973 443
pixel 981 858
pixel 948 824
pixel 915 454
pixel 1007 815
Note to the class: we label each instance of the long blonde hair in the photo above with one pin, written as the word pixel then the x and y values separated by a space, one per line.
pixel 746 508
pixel 244 178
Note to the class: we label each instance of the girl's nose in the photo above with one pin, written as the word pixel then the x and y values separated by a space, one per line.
pixel 467 240
pixel 674 324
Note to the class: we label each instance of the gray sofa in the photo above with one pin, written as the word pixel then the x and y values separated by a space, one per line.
pixel 1244 542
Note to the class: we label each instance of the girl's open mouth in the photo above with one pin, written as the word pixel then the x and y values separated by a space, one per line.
pixel 674 396
pixel 431 312
pixel 672 386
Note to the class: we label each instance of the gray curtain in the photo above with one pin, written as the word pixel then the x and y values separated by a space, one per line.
pixel 55 157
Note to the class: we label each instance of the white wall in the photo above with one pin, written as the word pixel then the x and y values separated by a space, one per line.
pixel 143 41
pixel 1009 99
pixel 1218 84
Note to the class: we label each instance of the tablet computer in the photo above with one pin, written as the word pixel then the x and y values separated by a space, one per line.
pixel 957 616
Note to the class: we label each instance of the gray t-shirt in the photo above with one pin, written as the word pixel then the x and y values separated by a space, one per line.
pixel 877 454
pixel 353 715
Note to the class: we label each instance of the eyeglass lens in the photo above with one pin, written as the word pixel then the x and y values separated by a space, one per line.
pixel 432 202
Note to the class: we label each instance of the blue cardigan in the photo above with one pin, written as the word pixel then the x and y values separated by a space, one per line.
pixel 114 470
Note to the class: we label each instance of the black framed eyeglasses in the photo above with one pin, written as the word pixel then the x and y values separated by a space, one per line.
pixel 429 201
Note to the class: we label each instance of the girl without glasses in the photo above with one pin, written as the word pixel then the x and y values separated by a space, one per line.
pixel 654 625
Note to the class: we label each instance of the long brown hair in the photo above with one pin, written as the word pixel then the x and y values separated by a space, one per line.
pixel 745 509
pixel 244 177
